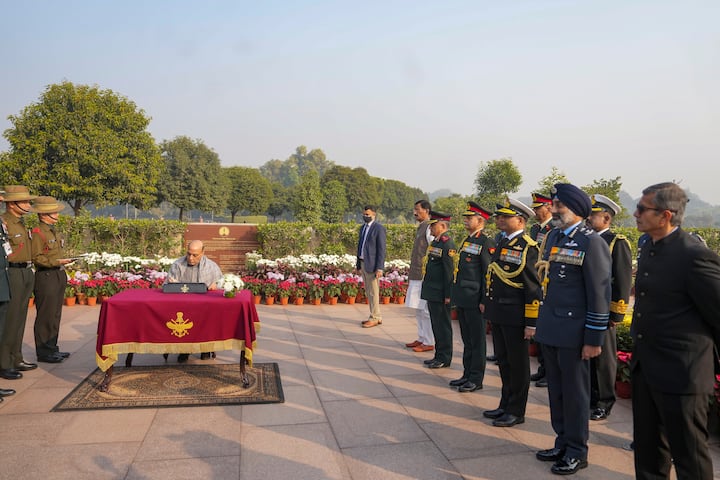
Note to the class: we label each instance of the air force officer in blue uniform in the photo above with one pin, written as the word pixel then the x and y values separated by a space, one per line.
pixel 572 321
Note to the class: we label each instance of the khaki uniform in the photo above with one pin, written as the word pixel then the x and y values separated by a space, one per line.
pixel 48 248
pixel 22 280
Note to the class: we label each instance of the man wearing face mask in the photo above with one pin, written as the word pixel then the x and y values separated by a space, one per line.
pixel 371 262
pixel 48 247
pixel 17 203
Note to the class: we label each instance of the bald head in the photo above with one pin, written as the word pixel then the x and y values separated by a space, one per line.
pixel 195 250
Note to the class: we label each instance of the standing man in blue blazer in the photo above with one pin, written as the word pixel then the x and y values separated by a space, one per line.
pixel 371 262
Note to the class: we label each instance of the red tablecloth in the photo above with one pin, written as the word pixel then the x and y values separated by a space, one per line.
pixel 149 321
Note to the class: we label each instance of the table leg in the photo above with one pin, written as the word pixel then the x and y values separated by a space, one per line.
pixel 105 384
pixel 243 373
pixel 129 359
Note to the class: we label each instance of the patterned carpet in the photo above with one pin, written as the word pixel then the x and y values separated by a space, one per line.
pixel 176 386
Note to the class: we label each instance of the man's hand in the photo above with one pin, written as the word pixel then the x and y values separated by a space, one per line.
pixel 528 333
pixel 212 286
pixel 378 274
pixel 590 351
pixel 482 308
pixel 447 301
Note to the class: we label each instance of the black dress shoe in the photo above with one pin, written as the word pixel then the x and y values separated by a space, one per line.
pixel 458 382
pixel 24 366
pixel 6 392
pixel 508 420
pixel 438 364
pixel 536 376
pixel 550 455
pixel 568 466
pixel 491 358
pixel 469 387
pixel 599 414
pixel 542 383
pixel 63 354
pixel 428 361
pixel 54 358
pixel 497 413
pixel 183 357
pixel 10 374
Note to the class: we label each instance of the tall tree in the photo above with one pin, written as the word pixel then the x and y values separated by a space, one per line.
pixel 495 180
pixel 280 202
pixel 545 184
pixel 84 145
pixel 334 202
pixel 398 200
pixel 307 198
pixel 248 191
pixel 296 166
pixel 191 177
pixel 360 187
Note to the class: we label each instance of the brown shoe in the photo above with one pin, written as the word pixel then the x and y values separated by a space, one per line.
pixel 371 323
pixel 423 348
pixel 414 344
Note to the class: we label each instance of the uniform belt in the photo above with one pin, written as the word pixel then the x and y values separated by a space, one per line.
pixel 20 264
pixel 43 269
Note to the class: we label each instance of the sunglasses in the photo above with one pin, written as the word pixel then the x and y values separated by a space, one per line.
pixel 642 208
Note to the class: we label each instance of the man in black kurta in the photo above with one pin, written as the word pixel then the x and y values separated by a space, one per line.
pixel 676 312
pixel 467 295
pixel 436 288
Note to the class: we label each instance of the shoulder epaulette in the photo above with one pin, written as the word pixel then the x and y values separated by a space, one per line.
pixel 529 240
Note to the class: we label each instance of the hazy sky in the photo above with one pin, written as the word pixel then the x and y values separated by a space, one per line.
pixel 418 91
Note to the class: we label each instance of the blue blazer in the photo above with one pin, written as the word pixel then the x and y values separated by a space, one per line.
pixel 373 251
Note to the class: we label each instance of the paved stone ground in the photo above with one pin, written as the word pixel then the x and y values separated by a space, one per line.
pixel 358 406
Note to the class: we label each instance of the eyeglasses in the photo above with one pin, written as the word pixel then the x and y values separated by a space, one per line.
pixel 641 209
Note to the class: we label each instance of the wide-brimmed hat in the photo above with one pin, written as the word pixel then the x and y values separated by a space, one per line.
pixel 17 193
pixel 46 205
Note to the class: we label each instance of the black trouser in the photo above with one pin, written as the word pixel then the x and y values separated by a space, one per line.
pixel 21 286
pixel 603 370
pixel 669 429
pixel 511 349
pixel 49 293
pixel 568 379
pixel 442 329
pixel 472 330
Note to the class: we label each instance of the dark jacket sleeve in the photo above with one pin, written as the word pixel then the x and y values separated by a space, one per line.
pixel 621 279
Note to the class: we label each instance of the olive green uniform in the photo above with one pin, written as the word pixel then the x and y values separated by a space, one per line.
pixel 48 248
pixel 22 280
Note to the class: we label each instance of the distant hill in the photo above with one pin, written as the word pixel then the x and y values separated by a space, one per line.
pixel 698 213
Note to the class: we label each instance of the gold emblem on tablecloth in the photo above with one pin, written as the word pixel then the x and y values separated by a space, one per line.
pixel 179 325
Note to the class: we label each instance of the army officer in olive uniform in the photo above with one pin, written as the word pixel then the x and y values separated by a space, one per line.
pixel 17 203
pixel 467 296
pixel 512 300
pixel 437 286
pixel 48 247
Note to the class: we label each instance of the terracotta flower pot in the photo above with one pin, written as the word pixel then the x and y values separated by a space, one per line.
pixel 81 299
pixel 299 300
pixel 400 300
pixel 69 301
pixel 316 301
pixel 350 300
pixel 256 299
pixel 269 300
pixel 385 300
pixel 623 389
pixel 91 301
pixel 332 300
pixel 284 300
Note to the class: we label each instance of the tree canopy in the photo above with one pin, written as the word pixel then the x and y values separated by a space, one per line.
pixel 290 171
pixel 191 177
pixel 545 184
pixel 495 180
pixel 248 191
pixel 307 198
pixel 81 144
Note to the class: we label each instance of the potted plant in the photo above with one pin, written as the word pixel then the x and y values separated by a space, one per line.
pixel 299 292
pixel 231 284
pixel 69 295
pixel 255 285
pixel 332 290
pixel 399 289
pixel 284 290
pixel 91 289
pixel 623 387
pixel 386 290
pixel 315 291
pixel 270 289
pixel 350 288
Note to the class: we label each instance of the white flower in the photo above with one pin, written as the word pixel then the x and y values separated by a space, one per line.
pixel 231 283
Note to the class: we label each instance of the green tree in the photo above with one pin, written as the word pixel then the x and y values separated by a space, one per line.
pixel 495 180
pixel 398 200
pixel 454 205
pixel 334 202
pixel 307 199
pixel 84 145
pixel 191 177
pixel 545 184
pixel 280 202
pixel 297 165
pixel 248 191
pixel 360 187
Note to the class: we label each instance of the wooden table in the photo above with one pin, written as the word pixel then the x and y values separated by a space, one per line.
pixel 150 321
